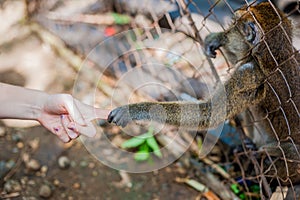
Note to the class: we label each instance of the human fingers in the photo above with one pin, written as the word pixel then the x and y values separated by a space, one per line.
pixel 89 130
pixel 61 133
pixel 69 127
pixel 90 113
pixel 101 113
pixel 73 110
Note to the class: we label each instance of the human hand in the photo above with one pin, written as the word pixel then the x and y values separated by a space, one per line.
pixel 67 117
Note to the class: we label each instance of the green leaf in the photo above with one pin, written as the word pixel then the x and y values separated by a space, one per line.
pixel 255 188
pixel 199 143
pixel 145 135
pixel 121 19
pixel 235 188
pixel 144 148
pixel 151 142
pixel 133 142
pixel 136 141
pixel 242 196
pixel 141 155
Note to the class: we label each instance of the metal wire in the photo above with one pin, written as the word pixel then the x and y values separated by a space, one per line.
pixel 175 36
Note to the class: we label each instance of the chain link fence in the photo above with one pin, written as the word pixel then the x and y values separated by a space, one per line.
pixel 153 50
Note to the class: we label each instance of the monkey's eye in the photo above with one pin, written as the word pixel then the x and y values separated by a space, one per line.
pixel 250 32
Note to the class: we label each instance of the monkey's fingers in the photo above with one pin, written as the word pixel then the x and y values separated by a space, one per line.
pixel 120 116
pixel 213 42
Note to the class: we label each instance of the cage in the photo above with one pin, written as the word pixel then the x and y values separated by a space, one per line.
pixel 154 50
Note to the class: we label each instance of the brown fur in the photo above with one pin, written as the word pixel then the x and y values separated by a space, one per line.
pixel 264 89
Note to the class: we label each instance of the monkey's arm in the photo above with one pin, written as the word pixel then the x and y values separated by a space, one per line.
pixel 177 113
pixel 244 88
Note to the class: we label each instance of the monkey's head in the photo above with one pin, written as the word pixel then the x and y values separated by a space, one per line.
pixel 259 32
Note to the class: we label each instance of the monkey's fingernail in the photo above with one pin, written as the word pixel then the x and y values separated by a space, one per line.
pixel 109 118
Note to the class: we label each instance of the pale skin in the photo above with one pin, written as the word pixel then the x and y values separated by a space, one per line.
pixel 63 115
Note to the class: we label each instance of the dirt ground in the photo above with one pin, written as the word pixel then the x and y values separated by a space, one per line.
pixel 29 154
pixel 40 53
pixel 85 178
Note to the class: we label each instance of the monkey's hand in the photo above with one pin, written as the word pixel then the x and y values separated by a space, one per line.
pixel 213 42
pixel 120 116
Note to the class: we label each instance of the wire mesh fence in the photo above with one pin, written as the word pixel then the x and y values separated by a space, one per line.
pixel 158 52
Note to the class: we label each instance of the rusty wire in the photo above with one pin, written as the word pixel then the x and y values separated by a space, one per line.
pixel 155 36
pixel 262 170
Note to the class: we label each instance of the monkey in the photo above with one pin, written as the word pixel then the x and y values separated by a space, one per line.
pixel 263 90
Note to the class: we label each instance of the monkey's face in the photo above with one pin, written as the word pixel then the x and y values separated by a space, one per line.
pixel 241 38
pixel 258 31
pixel 237 41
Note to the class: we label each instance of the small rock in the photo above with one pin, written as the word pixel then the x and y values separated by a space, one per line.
pixel 64 162
pixel 12 186
pixel 115 130
pixel 76 185
pixel 118 140
pixel 38 173
pixel 33 164
pixel 16 137
pixel 56 182
pixel 31 182
pixel 83 163
pixel 44 169
pixel 70 198
pixel 15 150
pixel 24 180
pixel 20 145
pixel 73 163
pixel 2 164
pixel 25 157
pixel 10 164
pixel 45 191
pixel 34 144
pixel 31 198
pixel 95 173
pixel 92 165
pixel 2 131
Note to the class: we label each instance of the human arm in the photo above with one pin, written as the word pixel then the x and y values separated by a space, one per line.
pixel 61 114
